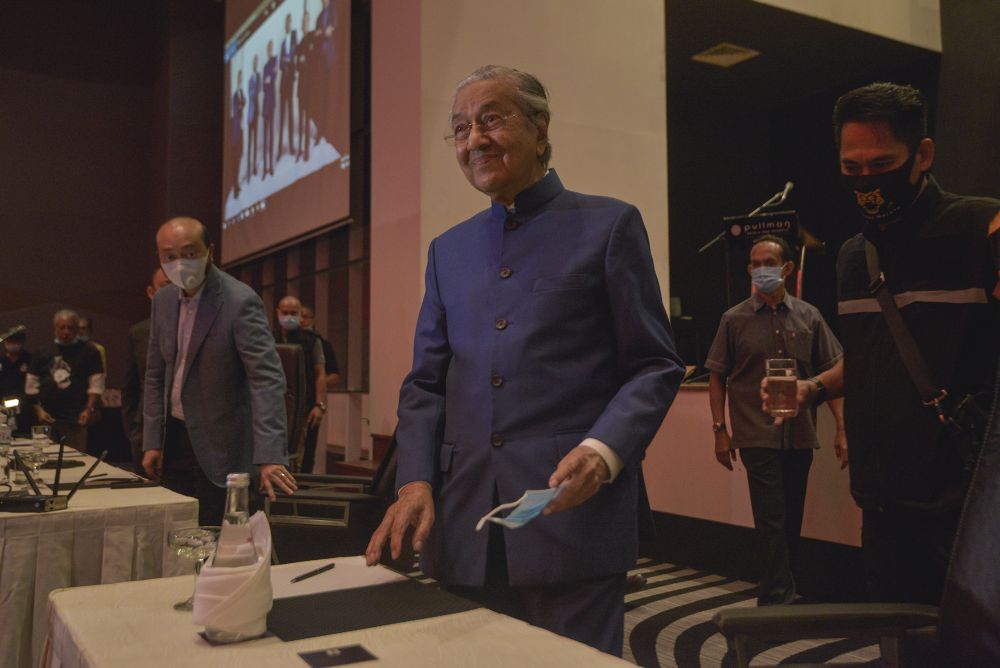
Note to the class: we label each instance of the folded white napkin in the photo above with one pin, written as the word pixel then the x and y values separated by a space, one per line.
pixel 237 599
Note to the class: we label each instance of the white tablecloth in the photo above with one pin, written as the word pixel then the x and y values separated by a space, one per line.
pixel 105 536
pixel 133 624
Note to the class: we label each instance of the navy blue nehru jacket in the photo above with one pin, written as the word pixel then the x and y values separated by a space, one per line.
pixel 539 327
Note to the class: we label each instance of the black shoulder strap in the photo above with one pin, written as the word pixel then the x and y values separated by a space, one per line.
pixel 931 394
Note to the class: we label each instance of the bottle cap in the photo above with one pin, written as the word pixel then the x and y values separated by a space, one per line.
pixel 238 480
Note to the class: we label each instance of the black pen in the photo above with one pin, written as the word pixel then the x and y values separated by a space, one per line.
pixel 321 569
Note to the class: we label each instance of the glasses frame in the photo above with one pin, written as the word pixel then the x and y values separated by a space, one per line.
pixel 454 140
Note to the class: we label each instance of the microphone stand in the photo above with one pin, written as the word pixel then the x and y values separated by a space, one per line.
pixel 774 200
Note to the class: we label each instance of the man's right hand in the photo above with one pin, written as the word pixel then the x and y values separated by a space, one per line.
pixel 152 464
pixel 43 415
pixel 804 395
pixel 414 508
pixel 724 452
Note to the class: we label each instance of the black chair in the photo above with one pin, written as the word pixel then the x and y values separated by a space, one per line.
pixel 332 515
pixel 293 364
pixel 964 631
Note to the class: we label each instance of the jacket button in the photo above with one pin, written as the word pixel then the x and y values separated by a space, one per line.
pixel 500 324
pixel 496 381
pixel 505 272
pixel 510 225
pixel 496 440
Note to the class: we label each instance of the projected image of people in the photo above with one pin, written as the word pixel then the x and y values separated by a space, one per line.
pixel 289 127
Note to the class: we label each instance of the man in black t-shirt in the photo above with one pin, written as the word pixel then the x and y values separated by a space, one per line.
pixel 66 381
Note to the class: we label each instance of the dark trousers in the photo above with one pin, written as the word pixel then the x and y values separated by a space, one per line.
pixel 183 474
pixel 269 142
pixel 236 151
pixel 777 480
pixel 906 554
pixel 303 130
pixel 251 147
pixel 591 612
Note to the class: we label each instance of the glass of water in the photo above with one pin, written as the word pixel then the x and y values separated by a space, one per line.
pixel 34 457
pixel 196 543
pixel 782 387
pixel 40 433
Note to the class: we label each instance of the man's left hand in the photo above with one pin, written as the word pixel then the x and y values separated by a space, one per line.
pixel 315 417
pixel 840 448
pixel 84 418
pixel 581 472
pixel 276 475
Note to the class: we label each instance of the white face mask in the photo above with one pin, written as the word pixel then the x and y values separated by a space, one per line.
pixel 290 322
pixel 186 273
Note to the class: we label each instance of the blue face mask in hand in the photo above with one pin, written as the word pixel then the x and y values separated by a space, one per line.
pixel 767 279
pixel 522 511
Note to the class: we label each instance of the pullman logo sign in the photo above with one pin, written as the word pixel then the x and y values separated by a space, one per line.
pixel 742 231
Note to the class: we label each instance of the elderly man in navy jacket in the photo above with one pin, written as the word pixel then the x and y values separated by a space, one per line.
pixel 542 357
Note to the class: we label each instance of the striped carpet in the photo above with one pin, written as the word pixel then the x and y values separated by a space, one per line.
pixel 669 623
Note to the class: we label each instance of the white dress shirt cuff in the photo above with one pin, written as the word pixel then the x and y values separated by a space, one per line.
pixel 610 457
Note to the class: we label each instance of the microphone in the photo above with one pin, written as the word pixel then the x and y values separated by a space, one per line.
pixel 784 193
pixel 16 329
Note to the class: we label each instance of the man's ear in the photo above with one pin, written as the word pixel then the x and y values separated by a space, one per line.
pixel 543 133
pixel 925 156
pixel 787 269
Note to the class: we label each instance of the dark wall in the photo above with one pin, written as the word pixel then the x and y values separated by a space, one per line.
pixel 110 121
pixel 968 130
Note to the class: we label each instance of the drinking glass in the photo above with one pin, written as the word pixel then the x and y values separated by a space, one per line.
pixel 34 457
pixel 40 433
pixel 196 543
pixel 782 387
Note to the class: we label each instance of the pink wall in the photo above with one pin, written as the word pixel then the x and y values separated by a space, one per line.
pixel 683 477
pixel 395 226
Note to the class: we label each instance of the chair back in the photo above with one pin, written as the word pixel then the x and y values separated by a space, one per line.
pixel 384 481
pixel 294 365
pixel 970 607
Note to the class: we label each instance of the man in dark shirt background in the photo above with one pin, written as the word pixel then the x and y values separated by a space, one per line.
pixel 66 381
pixel 14 364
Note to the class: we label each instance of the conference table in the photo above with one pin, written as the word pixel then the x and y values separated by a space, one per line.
pixel 106 535
pixel 349 612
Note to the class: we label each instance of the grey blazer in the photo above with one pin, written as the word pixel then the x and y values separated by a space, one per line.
pixel 233 388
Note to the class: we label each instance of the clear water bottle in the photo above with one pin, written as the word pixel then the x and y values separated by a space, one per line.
pixel 235 546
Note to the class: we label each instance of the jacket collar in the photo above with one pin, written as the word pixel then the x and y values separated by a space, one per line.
pixel 531 198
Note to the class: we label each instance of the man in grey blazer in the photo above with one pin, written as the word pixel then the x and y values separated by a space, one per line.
pixel 214 391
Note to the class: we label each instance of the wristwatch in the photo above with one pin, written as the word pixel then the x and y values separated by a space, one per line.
pixel 820 390
pixel 718 426
pixel 321 405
